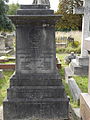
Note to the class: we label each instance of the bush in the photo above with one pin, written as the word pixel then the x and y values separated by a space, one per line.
pixel 74 44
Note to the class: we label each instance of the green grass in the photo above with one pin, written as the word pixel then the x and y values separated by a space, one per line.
pixel 61 57
pixel 81 81
pixel 10 62
pixel 4 84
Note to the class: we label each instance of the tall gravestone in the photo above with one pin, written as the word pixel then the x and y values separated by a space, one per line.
pixel 79 66
pixel 85 97
pixel 85 11
pixel 36 90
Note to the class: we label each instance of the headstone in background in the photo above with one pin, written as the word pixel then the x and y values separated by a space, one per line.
pixel 85 11
pixel 85 97
pixel 36 90
pixel 2 45
pixel 9 42
pixel 70 57
pixel 79 66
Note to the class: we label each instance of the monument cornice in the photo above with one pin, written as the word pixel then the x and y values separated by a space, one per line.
pixel 27 19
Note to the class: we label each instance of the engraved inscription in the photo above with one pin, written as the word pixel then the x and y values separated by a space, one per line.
pixel 38 65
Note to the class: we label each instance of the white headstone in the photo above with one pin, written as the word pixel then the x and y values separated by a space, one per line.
pixel 85 97
pixel 87 46
pixel 85 10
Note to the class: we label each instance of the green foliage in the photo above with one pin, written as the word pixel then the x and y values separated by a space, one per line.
pixel 4 84
pixel 69 21
pixel 13 8
pixel 74 44
pixel 5 22
pixel 69 50
pixel 82 82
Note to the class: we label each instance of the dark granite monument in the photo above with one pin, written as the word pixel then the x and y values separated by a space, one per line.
pixel 36 91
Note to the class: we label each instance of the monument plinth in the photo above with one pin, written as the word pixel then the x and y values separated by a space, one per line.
pixel 36 90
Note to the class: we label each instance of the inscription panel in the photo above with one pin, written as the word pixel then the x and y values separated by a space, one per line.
pixel 35 50
pixel 38 65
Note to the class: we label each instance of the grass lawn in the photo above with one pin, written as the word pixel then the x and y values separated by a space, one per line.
pixel 4 84
pixel 81 81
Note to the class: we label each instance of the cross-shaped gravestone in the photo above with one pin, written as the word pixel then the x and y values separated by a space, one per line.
pixel 85 10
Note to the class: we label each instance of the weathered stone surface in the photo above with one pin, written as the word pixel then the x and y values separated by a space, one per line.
pixel 75 90
pixel 82 61
pixel 2 43
pixel 85 106
pixel 68 74
pixel 77 69
pixel 9 42
pixel 36 90
pixel 87 46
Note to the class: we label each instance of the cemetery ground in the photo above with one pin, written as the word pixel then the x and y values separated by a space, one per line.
pixel 82 82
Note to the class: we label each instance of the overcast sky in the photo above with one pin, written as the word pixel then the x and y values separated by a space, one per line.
pixel 54 3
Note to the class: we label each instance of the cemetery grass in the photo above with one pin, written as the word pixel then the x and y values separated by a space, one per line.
pixel 74 34
pixel 4 84
pixel 81 81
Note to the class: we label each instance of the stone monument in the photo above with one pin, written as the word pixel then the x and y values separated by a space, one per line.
pixel 36 90
pixel 44 2
pixel 79 66
pixel 9 42
pixel 85 97
pixel 2 45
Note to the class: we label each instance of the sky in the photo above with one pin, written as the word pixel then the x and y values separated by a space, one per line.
pixel 54 3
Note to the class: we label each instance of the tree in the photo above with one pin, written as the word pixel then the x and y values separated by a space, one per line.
pixel 5 22
pixel 69 21
pixel 13 8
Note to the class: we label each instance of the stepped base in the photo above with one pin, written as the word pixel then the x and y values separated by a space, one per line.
pixel 46 109
pixel 38 97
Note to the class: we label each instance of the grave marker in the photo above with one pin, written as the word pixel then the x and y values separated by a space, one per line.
pixel 36 90
pixel 85 97
pixel 85 10
pixel 79 66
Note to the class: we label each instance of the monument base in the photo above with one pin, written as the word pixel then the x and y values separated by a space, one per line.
pixel 46 109
pixel 85 106
pixel 31 100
